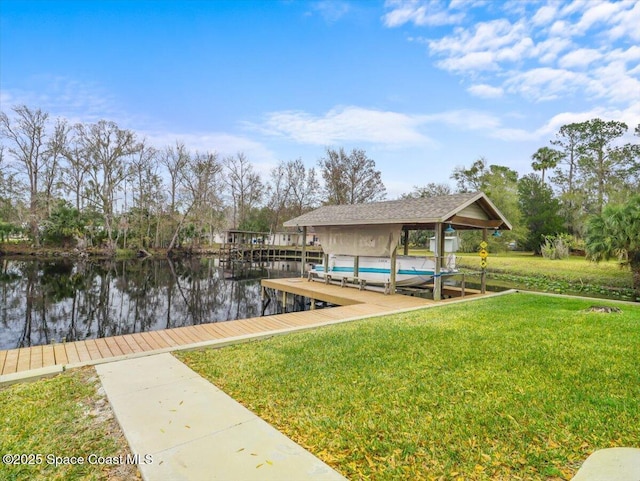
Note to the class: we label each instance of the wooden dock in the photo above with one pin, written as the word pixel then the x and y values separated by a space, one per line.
pixel 354 304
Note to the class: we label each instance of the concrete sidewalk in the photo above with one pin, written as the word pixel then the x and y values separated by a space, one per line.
pixel 194 431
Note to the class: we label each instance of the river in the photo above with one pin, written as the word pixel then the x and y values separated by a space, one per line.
pixel 45 301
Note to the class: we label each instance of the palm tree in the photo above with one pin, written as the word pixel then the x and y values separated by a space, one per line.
pixel 545 158
pixel 616 233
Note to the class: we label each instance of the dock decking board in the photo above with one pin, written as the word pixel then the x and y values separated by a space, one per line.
pixel 60 354
pixel 72 353
pixel 83 352
pixel 352 303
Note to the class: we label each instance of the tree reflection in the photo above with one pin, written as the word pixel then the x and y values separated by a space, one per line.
pixel 62 300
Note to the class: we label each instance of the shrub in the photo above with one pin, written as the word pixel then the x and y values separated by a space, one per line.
pixel 556 246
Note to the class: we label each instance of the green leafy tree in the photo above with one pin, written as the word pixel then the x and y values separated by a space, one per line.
pixel 500 184
pixel 616 234
pixel 544 159
pixel 540 212
pixel 566 176
pixel 65 226
pixel 602 164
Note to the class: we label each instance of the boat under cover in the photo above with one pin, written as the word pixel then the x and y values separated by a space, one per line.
pixel 410 270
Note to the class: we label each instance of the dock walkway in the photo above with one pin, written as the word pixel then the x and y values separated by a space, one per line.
pixel 16 364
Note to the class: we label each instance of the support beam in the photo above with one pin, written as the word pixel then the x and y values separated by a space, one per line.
pixel 439 254
pixel 477 223
pixel 483 275
pixel 304 251
pixel 406 242
pixel 392 273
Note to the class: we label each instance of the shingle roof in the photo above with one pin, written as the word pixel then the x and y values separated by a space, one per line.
pixel 428 210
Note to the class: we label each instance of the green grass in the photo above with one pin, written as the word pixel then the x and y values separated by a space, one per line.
pixel 575 275
pixel 519 386
pixel 62 416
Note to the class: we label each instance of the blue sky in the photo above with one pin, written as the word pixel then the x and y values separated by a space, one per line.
pixel 422 86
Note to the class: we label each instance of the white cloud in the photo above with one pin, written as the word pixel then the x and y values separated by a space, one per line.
pixel 331 11
pixel 430 13
pixel 625 23
pixel 346 124
pixel 546 83
pixel 545 15
pixel 472 61
pixel 579 58
pixel 629 115
pixel 65 97
pixel 594 14
pixel 548 51
pixel 581 49
pixel 466 119
pixel 486 91
pixel 221 142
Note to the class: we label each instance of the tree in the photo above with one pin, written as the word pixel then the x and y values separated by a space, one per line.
pixel 350 179
pixel 27 138
pixel 304 188
pixel 277 196
pixel 600 163
pixel 109 148
pixel 174 160
pixel 473 178
pixel 245 186
pixel 9 188
pixel 76 168
pixel 147 193
pixel 544 159
pixel 500 184
pixel 52 172
pixel 540 211
pixel 568 138
pixel 616 234
pixel 200 186
pixel 432 189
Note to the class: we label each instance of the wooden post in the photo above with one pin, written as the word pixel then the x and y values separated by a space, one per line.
pixel 406 242
pixel 437 278
pixel 313 304
pixel 483 275
pixel 392 269
pixel 304 251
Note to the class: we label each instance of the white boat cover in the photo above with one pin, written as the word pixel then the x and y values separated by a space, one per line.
pixel 367 240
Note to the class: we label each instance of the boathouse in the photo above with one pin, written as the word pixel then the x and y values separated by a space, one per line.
pixel 375 229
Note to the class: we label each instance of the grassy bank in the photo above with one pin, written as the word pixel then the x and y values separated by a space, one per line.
pixel 575 275
pixel 60 417
pixel 520 386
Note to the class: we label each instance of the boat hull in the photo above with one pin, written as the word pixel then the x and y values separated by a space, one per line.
pixel 410 271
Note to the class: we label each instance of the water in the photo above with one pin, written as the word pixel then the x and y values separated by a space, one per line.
pixel 42 301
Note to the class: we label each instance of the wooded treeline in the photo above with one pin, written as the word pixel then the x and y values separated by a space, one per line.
pixel 101 185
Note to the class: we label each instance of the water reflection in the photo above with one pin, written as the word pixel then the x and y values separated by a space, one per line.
pixel 42 301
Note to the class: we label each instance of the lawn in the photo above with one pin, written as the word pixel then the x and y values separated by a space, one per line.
pixel 518 386
pixel 574 275
pixel 57 418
